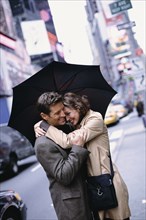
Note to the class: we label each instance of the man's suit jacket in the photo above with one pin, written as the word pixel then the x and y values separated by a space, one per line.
pixel 67 184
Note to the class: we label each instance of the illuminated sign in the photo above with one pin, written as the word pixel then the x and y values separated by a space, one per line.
pixel 7 41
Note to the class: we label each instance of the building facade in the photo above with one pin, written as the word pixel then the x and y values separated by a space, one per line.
pixel 19 58
pixel 116 46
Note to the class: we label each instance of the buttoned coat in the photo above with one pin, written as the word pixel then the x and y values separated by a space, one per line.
pixel 66 182
pixel 95 133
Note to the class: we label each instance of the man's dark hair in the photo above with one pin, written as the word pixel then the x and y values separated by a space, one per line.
pixel 46 100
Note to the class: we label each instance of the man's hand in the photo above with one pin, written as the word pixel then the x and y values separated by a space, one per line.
pixel 38 131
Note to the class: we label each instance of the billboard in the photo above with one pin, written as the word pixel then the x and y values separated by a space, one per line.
pixel 36 37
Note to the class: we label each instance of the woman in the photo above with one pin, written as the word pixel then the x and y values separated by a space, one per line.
pixel 91 125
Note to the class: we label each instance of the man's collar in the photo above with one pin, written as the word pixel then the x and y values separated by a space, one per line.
pixel 44 125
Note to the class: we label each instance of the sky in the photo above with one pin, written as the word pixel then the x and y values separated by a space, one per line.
pixel 70 23
pixel 70 19
pixel 138 14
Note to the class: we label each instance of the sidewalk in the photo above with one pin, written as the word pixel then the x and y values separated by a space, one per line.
pixel 131 161
pixel 121 134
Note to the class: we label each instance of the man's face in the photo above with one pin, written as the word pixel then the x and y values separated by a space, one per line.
pixel 56 117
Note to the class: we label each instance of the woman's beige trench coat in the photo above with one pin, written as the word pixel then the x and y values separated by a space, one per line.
pixel 95 133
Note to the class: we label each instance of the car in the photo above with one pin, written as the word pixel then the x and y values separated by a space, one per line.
pixel 128 104
pixel 13 148
pixel 120 110
pixel 12 207
pixel 111 117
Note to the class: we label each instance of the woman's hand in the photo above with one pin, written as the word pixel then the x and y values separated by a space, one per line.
pixel 38 131
pixel 76 138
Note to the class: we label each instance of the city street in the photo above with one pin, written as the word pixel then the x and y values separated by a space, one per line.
pixel 48 45
pixel 127 138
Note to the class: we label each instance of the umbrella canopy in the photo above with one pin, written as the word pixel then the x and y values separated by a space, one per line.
pixel 62 78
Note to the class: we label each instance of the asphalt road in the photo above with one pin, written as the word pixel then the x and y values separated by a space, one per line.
pixel 127 139
pixel 131 161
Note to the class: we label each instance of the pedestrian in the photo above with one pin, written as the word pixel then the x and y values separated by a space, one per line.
pixel 140 106
pixel 65 170
pixel 92 127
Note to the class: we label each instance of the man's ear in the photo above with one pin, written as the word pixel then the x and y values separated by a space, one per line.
pixel 44 116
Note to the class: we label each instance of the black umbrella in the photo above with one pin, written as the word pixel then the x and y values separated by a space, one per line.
pixel 62 78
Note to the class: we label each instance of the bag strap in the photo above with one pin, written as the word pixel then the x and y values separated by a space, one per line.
pixel 111 165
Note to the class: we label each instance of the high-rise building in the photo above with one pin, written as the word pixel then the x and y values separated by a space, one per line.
pixel 28 42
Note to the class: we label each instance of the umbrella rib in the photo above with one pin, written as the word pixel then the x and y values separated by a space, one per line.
pixel 67 83
pixel 70 80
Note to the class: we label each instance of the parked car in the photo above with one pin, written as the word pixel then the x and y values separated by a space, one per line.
pixel 13 148
pixel 111 117
pixel 12 206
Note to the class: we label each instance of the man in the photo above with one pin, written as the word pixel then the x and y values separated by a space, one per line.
pixel 65 170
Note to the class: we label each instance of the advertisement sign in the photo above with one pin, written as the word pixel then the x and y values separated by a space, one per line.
pixel 36 37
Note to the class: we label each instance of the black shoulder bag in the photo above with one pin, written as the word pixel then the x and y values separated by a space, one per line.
pixel 101 191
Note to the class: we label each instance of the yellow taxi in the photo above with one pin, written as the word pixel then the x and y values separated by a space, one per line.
pixel 111 117
pixel 120 110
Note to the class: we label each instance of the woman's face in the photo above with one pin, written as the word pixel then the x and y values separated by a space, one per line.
pixel 72 115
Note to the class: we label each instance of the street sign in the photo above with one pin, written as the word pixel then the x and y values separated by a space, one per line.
pixel 126 25
pixel 119 6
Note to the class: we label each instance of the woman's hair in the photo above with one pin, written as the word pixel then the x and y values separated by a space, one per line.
pixel 72 100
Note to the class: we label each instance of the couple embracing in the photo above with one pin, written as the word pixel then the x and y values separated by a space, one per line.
pixel 69 158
